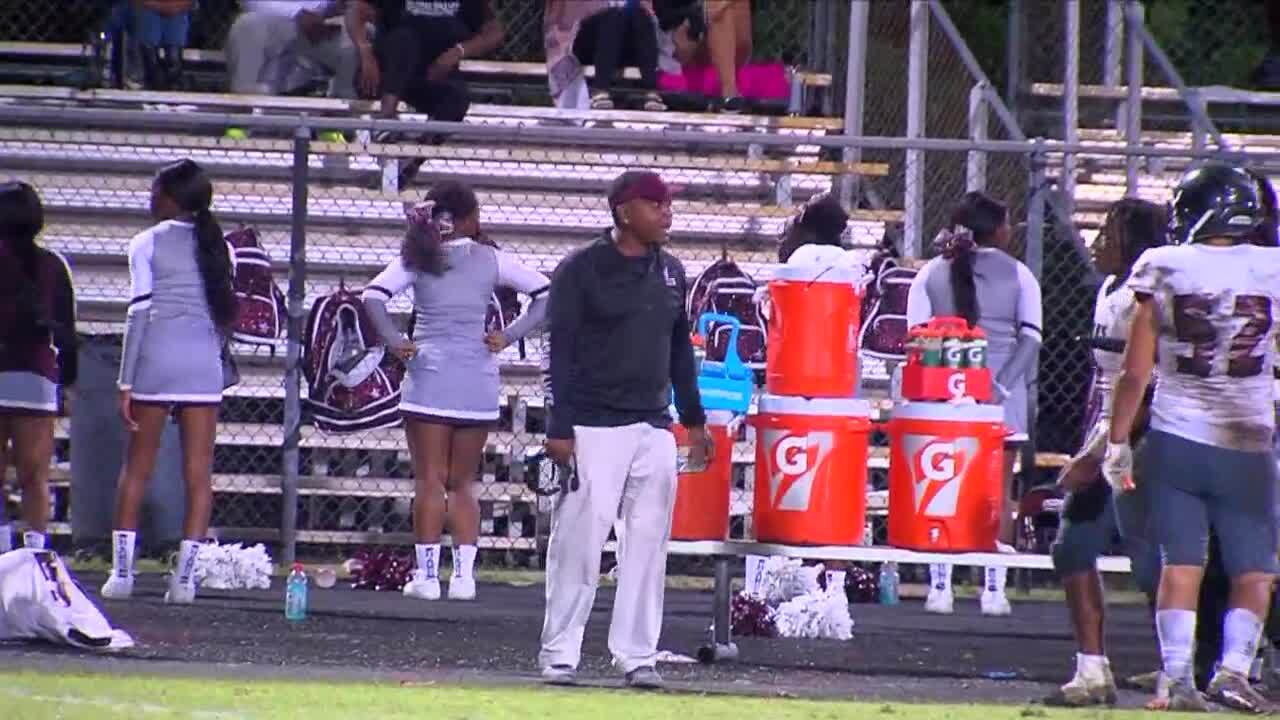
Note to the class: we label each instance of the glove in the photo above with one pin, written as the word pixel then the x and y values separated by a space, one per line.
pixel 1117 466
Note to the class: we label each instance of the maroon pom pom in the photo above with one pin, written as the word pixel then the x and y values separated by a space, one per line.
pixel 751 616
pixel 861 585
pixel 379 569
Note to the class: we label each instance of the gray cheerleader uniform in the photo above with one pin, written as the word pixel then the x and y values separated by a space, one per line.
pixel 454 377
pixel 172 350
pixel 1009 313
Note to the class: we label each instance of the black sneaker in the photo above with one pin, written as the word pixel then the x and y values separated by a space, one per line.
pixel 734 106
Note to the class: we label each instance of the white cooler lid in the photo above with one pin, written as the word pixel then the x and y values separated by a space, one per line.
pixel 820 273
pixel 793 405
pixel 976 412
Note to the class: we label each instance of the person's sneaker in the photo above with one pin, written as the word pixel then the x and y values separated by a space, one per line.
pixel 1147 682
pixel 387 137
pixel 331 136
pixel 559 675
pixel 1085 691
pixel 601 101
pixel 422 587
pixel 180 594
pixel 733 105
pixel 462 588
pixel 236 134
pixel 1005 548
pixel 941 602
pixel 995 604
pixel 653 102
pixel 1232 690
pixel 645 678
pixel 1182 697
pixel 117 588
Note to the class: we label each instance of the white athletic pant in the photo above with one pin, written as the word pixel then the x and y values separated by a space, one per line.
pixel 625 475
pixel 263 53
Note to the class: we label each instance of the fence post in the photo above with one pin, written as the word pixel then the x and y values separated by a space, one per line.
pixel 917 96
pixel 290 464
pixel 1113 43
pixel 1071 97
pixel 1037 188
pixel 976 169
pixel 1133 105
pixel 1016 57
pixel 855 101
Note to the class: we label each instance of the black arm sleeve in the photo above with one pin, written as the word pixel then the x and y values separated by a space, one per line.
pixel 64 327
pixel 564 316
pixel 684 378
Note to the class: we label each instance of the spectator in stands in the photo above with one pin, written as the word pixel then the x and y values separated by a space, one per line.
pixel 277 46
pixel 726 44
pixel 449 399
pixel 975 278
pixel 37 353
pixel 1267 75
pixel 182 309
pixel 419 46
pixel 161 27
pixel 615 37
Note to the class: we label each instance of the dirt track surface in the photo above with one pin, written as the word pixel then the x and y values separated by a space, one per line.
pixel 897 653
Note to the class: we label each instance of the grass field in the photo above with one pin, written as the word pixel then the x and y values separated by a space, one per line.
pixel 30 696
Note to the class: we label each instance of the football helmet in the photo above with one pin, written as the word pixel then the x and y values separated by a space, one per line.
pixel 1216 201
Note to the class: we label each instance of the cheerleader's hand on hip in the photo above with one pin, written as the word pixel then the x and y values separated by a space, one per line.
pixel 126 409
pixel 495 341
pixel 1117 466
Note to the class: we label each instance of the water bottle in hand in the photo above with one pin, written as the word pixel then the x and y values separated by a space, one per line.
pixel 295 595
pixel 889 583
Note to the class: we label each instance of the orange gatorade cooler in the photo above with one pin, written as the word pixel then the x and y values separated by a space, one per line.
pixel 944 476
pixel 811 470
pixel 702 494
pixel 813 332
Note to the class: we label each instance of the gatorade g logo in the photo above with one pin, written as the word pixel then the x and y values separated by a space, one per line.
pixel 955 385
pixel 937 467
pixel 796 460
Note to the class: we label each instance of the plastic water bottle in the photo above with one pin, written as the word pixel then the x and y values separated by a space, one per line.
pixel 889 583
pixel 295 595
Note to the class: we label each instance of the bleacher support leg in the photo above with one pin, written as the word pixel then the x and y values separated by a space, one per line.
pixel 722 647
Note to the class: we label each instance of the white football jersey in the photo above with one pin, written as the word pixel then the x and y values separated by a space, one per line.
pixel 1217 308
pixel 1112 315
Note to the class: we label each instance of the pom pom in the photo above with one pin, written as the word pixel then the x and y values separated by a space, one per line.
pixel 233 567
pixel 861 585
pixel 380 570
pixel 751 616
pixel 784 579
pixel 817 614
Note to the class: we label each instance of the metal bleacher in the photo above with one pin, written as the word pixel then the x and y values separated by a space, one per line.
pixel 538 200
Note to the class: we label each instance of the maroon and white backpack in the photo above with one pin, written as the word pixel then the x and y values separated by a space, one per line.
pixel 353 383
pixel 263 310
pixel 884 309
pixel 724 287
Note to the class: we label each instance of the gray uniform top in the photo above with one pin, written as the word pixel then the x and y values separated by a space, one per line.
pixel 1009 312
pixel 454 374
pixel 172 350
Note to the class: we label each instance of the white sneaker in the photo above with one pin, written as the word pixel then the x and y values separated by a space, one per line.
pixel 941 602
pixel 179 594
pixel 462 588
pixel 423 587
pixel 1004 549
pixel 995 604
pixel 117 588
pixel 1085 691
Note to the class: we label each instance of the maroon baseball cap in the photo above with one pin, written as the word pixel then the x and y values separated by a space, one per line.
pixel 638 185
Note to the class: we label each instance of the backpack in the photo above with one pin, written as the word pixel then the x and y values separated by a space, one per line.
pixel 725 288
pixel 353 383
pixel 40 600
pixel 884 309
pixel 263 309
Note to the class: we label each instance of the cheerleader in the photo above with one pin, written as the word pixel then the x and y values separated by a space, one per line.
pixel 180 314
pixel 975 278
pixel 37 353
pixel 449 399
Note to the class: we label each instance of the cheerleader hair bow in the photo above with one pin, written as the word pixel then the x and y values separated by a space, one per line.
pixel 424 217
pixel 953 242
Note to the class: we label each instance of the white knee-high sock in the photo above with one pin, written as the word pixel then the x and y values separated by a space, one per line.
pixel 33 540
pixel 1240 632
pixel 6 537
pixel 1177 632
pixel 428 559
pixel 994 579
pixel 122 544
pixel 464 561
pixel 185 574
pixel 940 577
